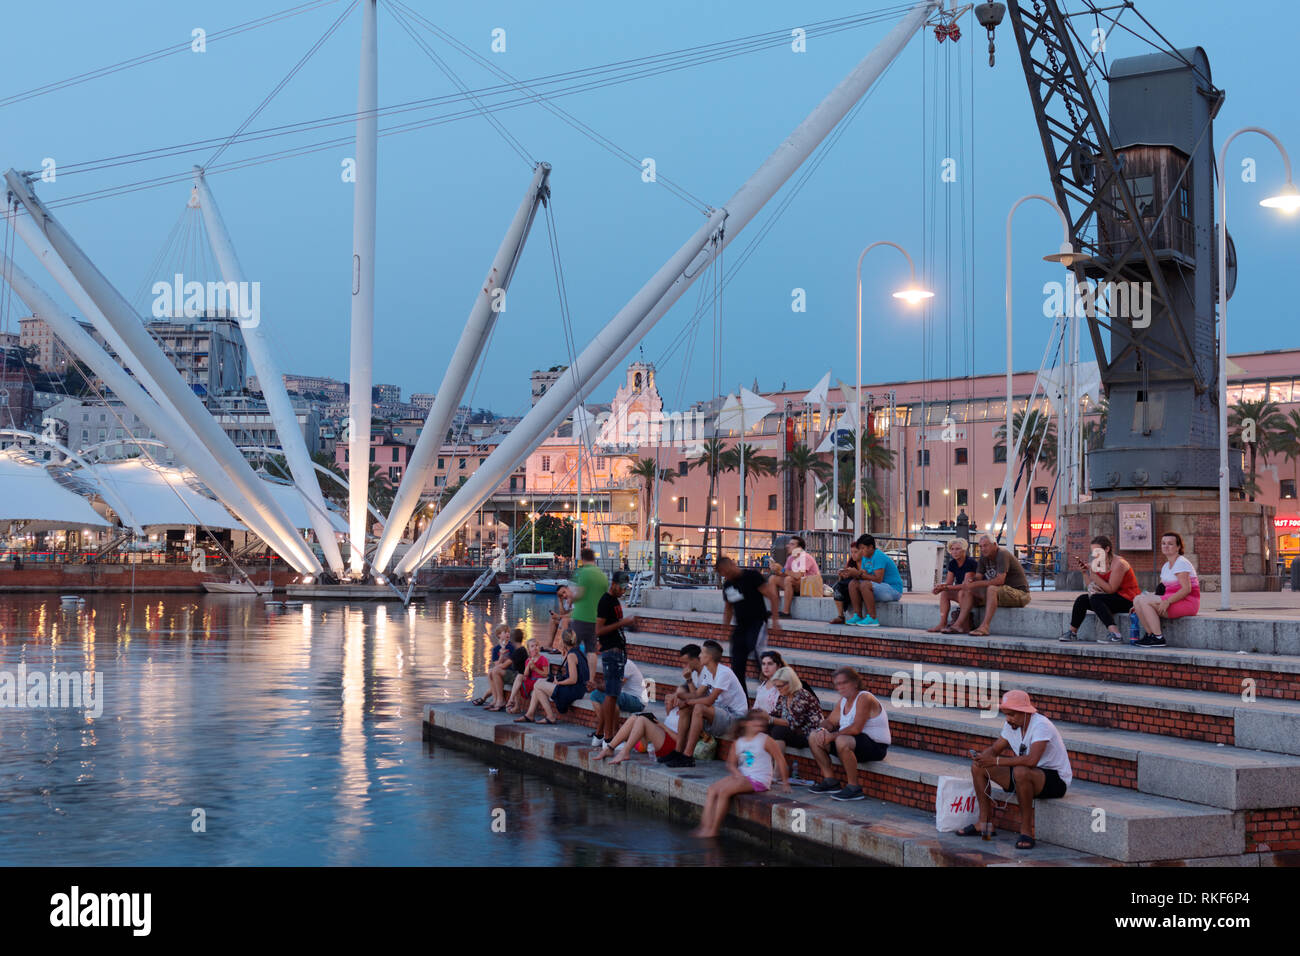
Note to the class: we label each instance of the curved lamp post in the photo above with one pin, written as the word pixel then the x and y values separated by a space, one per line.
pixel 913 294
pixel 1287 200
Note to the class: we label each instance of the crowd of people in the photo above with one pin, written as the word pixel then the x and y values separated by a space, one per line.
pixel 712 701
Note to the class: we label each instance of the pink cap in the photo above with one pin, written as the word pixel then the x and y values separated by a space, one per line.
pixel 1017 700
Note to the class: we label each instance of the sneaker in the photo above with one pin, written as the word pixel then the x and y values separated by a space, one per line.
pixel 801 782
pixel 826 786
pixel 1110 638
pixel 851 619
pixel 1069 637
pixel 1152 640
pixel 597 740
pixel 849 793
pixel 665 757
pixel 867 621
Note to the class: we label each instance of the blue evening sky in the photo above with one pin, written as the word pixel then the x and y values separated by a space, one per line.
pixel 447 192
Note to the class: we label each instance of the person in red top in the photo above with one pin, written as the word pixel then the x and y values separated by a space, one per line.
pixel 1112 586
pixel 535 668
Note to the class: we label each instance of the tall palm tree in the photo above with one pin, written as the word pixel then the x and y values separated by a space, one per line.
pixel 876 457
pixel 1288 445
pixel 801 461
pixel 647 471
pixel 1038 447
pixel 1263 422
pixel 756 466
pixel 710 459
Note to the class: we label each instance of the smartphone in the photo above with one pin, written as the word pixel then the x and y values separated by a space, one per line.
pixel 973 754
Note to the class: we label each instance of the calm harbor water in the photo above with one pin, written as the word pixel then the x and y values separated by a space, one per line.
pixel 296 735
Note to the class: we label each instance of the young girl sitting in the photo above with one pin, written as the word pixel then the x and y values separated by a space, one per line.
pixel 751 761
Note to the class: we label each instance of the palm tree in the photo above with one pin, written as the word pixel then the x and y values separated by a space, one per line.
pixel 1037 447
pixel 756 466
pixel 876 456
pixel 1265 425
pixel 710 458
pixel 802 461
pixel 1288 445
pixel 646 470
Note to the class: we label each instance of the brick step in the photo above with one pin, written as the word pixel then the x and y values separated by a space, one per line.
pixel 1272 676
pixel 1226 777
pixel 1131 827
pixel 889 833
pixel 1272 725
pixel 1252 632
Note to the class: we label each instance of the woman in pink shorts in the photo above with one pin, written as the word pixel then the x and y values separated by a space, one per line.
pixel 1180 593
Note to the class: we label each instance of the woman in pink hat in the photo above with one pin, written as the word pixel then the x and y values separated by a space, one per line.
pixel 1028 760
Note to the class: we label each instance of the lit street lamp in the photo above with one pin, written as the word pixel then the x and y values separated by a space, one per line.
pixel 912 295
pixel 1287 200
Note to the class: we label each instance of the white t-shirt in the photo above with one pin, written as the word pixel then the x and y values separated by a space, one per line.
pixel 1169 574
pixel 1039 728
pixel 733 697
pixel 634 683
pixel 766 697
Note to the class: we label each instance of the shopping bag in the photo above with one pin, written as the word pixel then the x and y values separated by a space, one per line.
pixel 955 804
pixel 811 586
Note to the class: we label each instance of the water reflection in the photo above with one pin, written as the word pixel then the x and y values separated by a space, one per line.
pixel 296 732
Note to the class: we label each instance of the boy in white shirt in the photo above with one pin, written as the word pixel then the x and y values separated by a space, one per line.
pixel 714 707
pixel 1029 760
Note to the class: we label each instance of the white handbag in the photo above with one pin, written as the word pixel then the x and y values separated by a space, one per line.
pixel 954 804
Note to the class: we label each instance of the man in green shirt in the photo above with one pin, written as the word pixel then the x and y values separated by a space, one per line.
pixel 589 586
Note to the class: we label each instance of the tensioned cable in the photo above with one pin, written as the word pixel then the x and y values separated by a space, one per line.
pixel 284 81
pixel 334 143
pixel 511 140
pixel 159 54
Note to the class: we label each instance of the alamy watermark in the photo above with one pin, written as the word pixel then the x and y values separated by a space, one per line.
pixel 35 690
pixel 197 300
pixel 974 690
pixel 687 430
pixel 1129 301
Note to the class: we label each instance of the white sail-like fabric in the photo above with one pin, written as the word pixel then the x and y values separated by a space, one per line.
pixel 30 493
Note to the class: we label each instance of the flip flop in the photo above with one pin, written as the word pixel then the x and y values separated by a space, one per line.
pixel 1025 842
pixel 525 719
pixel 547 722
pixel 968 830
pixel 479 701
pixel 979 632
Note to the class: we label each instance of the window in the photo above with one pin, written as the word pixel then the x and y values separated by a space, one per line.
pixel 923 499
pixel 462 463
pixel 1184 202
pixel 600 464
pixel 922 457
pixel 372 453
pixel 682 505
pixel 546 463
pixel 442 463
pixel 771 502
pixel 960 456
pixel 514 482
pixel 440 480
pixel 962 498
pixel 1143 190
pixel 1000 454
pixel 1041 496
pixel 995 496
pixel 1288 487
pixel 683 467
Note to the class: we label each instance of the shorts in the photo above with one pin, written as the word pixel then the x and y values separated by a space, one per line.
pixel 611 664
pixel 626 702
pixel 791 737
pixel 864 748
pixel 841 590
pixel 885 593
pixel 1186 607
pixel 508 676
pixel 564 696
pixel 723 720
pixel 585 632
pixel 1007 597
pixel 1053 785
pixel 670 744
pixel 758 785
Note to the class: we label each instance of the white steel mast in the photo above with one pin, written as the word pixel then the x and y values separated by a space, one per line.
pixel 488 303
pixel 283 416
pixel 363 288
pixel 613 343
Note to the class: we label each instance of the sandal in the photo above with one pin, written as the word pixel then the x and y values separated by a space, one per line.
pixel 979 632
pixel 479 701
pixel 968 830
pixel 1025 842
pixel 546 721
pixel 525 719
pixel 838 620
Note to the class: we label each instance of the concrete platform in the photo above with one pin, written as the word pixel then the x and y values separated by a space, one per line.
pixel 346 592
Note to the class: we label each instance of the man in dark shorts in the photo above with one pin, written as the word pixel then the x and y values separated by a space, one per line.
pixel 1028 760
pixel 743 591
pixel 611 646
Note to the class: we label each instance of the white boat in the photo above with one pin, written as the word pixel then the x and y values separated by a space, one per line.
pixel 237 587
pixel 518 586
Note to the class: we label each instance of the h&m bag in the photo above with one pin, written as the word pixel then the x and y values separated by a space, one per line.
pixel 954 804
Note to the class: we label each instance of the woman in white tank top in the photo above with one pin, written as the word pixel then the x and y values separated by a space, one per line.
pixel 752 759
pixel 856 732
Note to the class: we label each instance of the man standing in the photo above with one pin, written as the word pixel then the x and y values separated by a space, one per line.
pixel 612 648
pixel 999 581
pixel 743 590
pixel 589 586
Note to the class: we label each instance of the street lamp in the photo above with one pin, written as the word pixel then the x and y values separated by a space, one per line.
pixel 1287 200
pixel 912 295
pixel 1067 257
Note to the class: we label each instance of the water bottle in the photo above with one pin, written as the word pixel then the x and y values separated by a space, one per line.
pixel 1134 626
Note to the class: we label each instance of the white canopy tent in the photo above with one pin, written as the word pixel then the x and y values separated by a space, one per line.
pixel 28 492
pixel 160 496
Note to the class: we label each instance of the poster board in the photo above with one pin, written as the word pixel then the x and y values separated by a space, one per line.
pixel 1134 522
